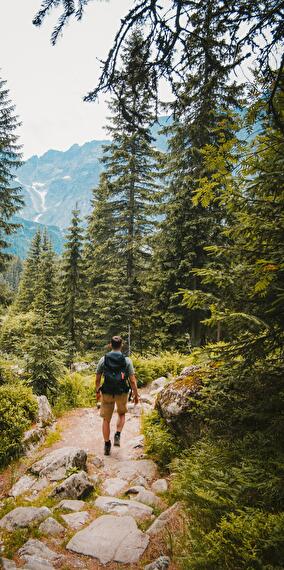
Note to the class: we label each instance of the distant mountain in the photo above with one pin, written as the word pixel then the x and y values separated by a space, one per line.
pixel 20 241
pixel 56 181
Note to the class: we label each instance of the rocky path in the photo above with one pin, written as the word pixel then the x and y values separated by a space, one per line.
pixel 76 508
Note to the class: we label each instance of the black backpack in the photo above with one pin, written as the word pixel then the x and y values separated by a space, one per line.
pixel 115 378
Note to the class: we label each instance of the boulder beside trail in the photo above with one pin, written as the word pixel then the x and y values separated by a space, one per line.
pixel 109 540
pixel 76 486
pixel 160 486
pixel 45 416
pixel 32 438
pixel 158 383
pixel 55 465
pixel 22 517
pixel 162 521
pixel 174 403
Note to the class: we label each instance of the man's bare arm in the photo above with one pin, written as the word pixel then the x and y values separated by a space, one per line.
pixel 98 385
pixel 133 382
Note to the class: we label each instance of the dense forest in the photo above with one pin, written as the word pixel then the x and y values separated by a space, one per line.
pixel 182 255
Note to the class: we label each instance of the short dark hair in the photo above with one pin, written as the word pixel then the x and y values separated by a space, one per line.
pixel 116 342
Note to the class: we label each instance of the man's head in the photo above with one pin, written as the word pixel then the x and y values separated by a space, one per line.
pixel 116 342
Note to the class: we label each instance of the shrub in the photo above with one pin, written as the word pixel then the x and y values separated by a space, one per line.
pixel 15 330
pixel 8 371
pixel 75 390
pixel 249 539
pixel 18 408
pixel 160 442
pixel 223 490
pixel 148 368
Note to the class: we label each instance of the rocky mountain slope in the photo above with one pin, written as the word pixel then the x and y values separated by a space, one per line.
pixel 54 183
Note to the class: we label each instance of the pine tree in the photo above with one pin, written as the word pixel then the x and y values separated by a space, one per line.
pixel 29 280
pixel 44 355
pixel 71 290
pixel 126 199
pixel 239 459
pixel 107 295
pixel 204 116
pixel 10 160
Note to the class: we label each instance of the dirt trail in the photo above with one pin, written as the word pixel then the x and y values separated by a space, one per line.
pixel 81 428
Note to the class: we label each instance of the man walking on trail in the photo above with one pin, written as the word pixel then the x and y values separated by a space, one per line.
pixel 119 376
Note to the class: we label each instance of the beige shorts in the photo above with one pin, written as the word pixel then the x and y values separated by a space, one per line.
pixel 108 402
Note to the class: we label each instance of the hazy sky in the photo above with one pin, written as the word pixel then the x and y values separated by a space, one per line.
pixel 47 83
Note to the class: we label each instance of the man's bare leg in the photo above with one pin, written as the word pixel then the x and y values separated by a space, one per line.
pixel 106 429
pixel 120 422
pixel 119 427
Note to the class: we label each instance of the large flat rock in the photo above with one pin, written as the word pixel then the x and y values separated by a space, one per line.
pixel 121 507
pixel 74 487
pixel 34 550
pixel 130 469
pixel 29 484
pixel 73 505
pixel 51 527
pixel 114 486
pixel 76 520
pixel 55 465
pixel 23 517
pixel 108 539
pixel 148 498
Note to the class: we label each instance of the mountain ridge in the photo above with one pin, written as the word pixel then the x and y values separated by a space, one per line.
pixel 58 181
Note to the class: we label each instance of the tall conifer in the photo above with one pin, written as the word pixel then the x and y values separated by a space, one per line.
pixel 125 203
pixel 43 343
pixel 71 290
pixel 204 116
pixel 29 279
pixel 10 160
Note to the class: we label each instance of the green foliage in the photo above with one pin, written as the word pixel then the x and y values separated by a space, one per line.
pixel 246 539
pixel 7 371
pixel 10 160
pixel 125 203
pixel 160 442
pixel 71 290
pixel 29 279
pixel 14 330
pixel 18 408
pixel 148 368
pixel 75 390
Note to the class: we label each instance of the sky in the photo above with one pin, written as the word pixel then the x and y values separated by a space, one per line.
pixel 47 83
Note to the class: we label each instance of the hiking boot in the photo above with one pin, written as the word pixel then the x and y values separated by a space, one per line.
pixel 116 441
pixel 107 447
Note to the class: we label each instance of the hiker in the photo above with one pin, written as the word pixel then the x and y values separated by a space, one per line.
pixel 119 377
